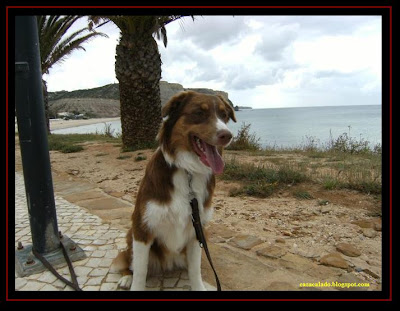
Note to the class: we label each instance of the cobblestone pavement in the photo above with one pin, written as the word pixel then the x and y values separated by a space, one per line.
pixel 100 242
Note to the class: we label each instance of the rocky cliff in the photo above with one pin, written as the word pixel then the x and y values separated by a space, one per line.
pixel 102 102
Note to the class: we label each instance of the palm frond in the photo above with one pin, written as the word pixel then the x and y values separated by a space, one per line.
pixel 54 44
pixel 138 25
pixel 61 52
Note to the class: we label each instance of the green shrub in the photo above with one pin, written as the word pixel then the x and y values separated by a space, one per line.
pixel 68 143
pixel 259 181
pixel 256 189
pixel 303 195
pixel 57 144
pixel 147 145
pixel 140 158
pixel 71 148
pixel 330 183
pixel 347 144
pixel 123 157
pixel 244 140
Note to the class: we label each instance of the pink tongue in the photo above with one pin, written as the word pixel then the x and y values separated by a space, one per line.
pixel 213 158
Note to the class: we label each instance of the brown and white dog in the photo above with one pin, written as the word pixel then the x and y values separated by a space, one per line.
pixel 162 236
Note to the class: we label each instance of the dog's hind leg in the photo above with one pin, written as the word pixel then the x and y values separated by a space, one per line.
pixel 121 265
pixel 121 262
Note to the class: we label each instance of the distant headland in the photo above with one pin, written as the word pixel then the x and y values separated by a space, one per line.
pixel 103 102
pixel 238 108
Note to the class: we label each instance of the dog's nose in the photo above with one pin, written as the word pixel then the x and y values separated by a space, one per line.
pixel 224 137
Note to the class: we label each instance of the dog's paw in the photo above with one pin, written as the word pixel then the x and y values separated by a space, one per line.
pixel 137 287
pixel 199 287
pixel 125 282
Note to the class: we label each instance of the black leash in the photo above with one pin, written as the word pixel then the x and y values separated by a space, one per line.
pixel 74 284
pixel 200 235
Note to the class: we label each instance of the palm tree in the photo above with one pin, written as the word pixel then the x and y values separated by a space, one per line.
pixel 55 46
pixel 138 70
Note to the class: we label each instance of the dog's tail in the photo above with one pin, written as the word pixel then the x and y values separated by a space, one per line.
pixel 121 263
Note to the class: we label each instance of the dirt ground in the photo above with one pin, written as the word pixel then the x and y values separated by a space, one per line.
pixel 276 243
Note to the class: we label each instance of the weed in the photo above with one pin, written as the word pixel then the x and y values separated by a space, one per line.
pixel 259 181
pixel 244 140
pixel 71 148
pixel 330 183
pixel 288 175
pixel 68 143
pixel 140 158
pixel 148 145
pixel 123 157
pixel 256 189
pixel 303 195
pixel 347 144
pixel 108 131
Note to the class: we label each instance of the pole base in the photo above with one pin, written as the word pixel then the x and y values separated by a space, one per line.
pixel 27 264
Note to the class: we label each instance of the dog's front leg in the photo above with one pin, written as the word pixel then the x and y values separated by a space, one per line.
pixel 140 257
pixel 194 265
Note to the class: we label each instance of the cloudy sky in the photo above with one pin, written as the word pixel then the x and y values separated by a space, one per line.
pixel 261 61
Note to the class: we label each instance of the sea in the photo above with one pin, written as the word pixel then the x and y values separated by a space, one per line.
pixel 291 127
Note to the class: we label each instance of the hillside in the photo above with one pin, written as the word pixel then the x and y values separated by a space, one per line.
pixel 103 102
pixel 92 107
pixel 109 91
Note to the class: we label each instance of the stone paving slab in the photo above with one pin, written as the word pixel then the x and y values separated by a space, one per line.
pixel 100 241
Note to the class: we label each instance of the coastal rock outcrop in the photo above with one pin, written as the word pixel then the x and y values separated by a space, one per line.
pixel 103 102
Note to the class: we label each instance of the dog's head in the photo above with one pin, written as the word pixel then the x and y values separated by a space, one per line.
pixel 193 130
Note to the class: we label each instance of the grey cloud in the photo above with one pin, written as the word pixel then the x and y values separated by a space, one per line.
pixel 242 78
pixel 205 73
pixel 334 24
pixel 315 25
pixel 274 42
pixel 272 54
pixel 207 32
pixel 331 82
pixel 206 68
pixel 343 76
pixel 185 51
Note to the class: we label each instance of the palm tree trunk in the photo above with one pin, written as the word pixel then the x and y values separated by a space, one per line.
pixel 46 105
pixel 138 70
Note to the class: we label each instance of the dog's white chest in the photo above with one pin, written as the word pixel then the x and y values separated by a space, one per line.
pixel 171 224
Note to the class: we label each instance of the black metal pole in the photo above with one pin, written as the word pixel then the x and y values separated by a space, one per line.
pixel 33 137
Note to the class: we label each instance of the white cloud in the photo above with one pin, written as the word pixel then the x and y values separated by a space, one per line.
pixel 87 69
pixel 275 39
pixel 207 32
pixel 261 61
pixel 341 53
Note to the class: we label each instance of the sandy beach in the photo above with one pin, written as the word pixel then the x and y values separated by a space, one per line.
pixel 56 124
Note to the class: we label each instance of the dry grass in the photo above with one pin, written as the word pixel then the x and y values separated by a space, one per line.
pixel 342 163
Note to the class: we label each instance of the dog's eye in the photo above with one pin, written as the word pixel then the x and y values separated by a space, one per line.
pixel 223 115
pixel 197 116
pixel 199 113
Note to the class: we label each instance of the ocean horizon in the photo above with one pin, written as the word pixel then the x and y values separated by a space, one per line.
pixel 289 127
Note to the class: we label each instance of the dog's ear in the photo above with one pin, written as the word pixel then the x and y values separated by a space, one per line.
pixel 172 109
pixel 174 104
pixel 231 112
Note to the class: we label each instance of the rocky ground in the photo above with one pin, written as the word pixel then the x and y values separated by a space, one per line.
pixel 275 243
